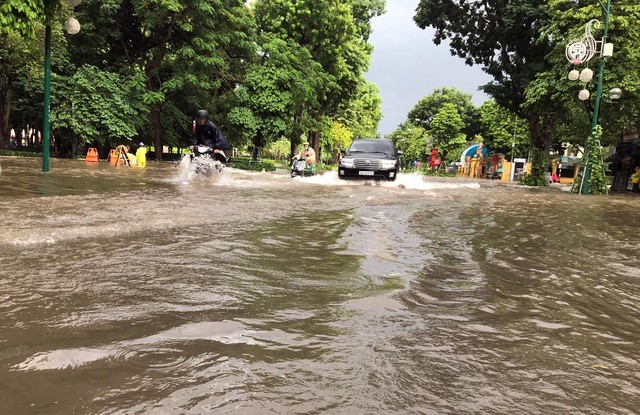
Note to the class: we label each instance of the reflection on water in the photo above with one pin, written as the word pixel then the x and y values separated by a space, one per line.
pixel 156 291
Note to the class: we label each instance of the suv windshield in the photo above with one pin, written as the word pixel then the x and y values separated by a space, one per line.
pixel 376 146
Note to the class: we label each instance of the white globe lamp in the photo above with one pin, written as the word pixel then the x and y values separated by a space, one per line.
pixel 72 26
pixel 615 94
pixel 586 75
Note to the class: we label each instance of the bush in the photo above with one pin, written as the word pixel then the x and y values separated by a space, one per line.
pixel 593 158
pixel 16 153
pixel 440 173
pixel 537 176
pixel 256 166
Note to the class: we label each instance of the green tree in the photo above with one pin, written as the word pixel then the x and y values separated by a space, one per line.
pixel 15 58
pixel 574 122
pixel 334 139
pixel 446 131
pixel 572 118
pixel 505 38
pixel 335 38
pixel 279 149
pixel 192 48
pixel 363 11
pixel 17 17
pixel 536 177
pixel 412 140
pixel 22 73
pixel 363 113
pixel 21 39
pixel 277 91
pixel 597 179
pixel 98 107
pixel 427 108
pixel 500 129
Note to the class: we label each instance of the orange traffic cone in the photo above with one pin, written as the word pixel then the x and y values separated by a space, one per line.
pixel 92 155
pixel 113 157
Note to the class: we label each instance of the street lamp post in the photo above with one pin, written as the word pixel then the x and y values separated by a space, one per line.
pixel 73 27
pixel 596 106
pixel 581 51
pixel 47 98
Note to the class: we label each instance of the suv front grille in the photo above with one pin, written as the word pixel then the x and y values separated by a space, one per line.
pixel 367 164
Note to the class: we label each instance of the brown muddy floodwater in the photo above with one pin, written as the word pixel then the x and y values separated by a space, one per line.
pixel 153 292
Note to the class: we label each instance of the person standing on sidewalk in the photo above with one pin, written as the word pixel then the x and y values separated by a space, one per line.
pixel 635 180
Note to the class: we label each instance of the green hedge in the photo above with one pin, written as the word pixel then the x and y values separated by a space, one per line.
pixel 440 173
pixel 248 165
pixel 19 153
pixel 428 172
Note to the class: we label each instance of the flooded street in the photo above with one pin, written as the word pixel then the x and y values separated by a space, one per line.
pixel 150 291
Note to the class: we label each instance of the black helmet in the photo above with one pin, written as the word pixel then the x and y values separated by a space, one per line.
pixel 202 114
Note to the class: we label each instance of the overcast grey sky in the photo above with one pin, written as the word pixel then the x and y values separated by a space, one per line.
pixel 407 66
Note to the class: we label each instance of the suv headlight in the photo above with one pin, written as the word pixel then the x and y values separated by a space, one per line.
pixel 346 163
pixel 388 164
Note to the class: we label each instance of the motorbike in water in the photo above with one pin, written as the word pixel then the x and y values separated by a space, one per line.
pixel 206 162
pixel 299 167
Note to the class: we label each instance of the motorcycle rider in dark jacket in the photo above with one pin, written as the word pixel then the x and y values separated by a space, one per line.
pixel 208 134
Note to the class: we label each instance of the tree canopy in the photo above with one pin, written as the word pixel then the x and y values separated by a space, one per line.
pixel 262 69
pixel 501 129
pixel 188 51
pixel 18 17
pixel 521 46
pixel 105 99
pixel 551 84
pixel 335 34
pixel 427 108
pixel 504 38
pixel 446 131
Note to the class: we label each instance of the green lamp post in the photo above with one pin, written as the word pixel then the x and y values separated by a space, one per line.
pixel 596 105
pixel 72 26
pixel 50 7
pixel 582 51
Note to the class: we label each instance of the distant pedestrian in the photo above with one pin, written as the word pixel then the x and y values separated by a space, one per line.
pixel 141 155
pixel 635 180
pixel 13 142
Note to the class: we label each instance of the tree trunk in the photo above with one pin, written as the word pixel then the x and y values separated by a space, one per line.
pixel 541 140
pixel 542 130
pixel 156 114
pixel 5 107
pixel 315 143
pixel 335 156
pixel 150 70
pixel 535 129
